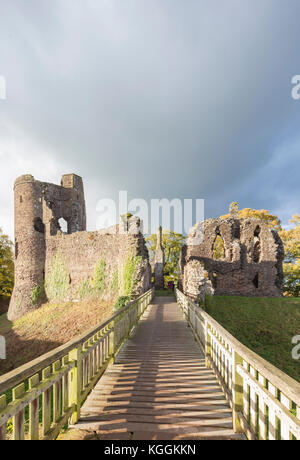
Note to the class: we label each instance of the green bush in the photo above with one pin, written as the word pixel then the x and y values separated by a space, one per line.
pixel 121 302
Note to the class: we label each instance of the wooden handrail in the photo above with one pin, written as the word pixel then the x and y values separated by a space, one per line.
pixel 282 381
pixel 19 374
pixel 244 377
pixel 64 376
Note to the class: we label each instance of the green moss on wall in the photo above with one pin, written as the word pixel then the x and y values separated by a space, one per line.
pixel 85 289
pixel 38 294
pixel 115 282
pixel 128 275
pixel 58 280
pixel 94 287
pixel 99 280
pixel 122 282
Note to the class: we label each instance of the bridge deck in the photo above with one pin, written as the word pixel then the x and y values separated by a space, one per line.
pixel 159 387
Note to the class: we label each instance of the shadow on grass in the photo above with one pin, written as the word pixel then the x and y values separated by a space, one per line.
pixel 21 350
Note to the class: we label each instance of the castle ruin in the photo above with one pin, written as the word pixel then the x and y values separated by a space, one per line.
pixel 250 265
pixel 159 262
pixel 51 264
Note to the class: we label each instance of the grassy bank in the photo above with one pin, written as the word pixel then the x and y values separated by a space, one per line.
pixel 265 325
pixel 48 327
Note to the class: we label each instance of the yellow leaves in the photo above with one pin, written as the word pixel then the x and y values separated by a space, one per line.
pixel 6 265
pixel 218 248
pixel 291 269
pixel 295 219
pixel 271 220
pixel 291 240
pixel 172 243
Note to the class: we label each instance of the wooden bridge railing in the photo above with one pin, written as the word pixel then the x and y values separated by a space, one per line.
pixel 49 391
pixel 264 400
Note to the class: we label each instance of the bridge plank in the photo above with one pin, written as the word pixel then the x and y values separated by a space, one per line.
pixel 159 386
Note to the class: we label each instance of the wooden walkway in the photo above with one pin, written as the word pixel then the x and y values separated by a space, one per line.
pixel 159 387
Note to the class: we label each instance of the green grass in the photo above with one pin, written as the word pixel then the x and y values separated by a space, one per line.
pixel 265 325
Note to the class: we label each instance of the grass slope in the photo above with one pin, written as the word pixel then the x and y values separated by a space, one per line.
pixel 47 328
pixel 265 325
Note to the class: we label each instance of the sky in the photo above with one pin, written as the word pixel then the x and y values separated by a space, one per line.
pixel 161 98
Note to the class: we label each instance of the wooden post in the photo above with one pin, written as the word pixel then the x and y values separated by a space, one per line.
pixel 285 432
pixel 56 393
pixel 237 392
pixel 112 341
pixel 273 420
pixel 75 383
pixel 207 345
pixel 34 411
pixel 262 407
pixel 253 403
pixel 2 427
pixel 18 419
pixel 46 404
pixel 65 387
pixel 297 415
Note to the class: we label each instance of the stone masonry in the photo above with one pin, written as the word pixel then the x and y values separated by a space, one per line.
pixel 40 245
pixel 159 262
pixel 251 264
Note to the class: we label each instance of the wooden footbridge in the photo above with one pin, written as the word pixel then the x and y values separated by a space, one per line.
pixel 158 369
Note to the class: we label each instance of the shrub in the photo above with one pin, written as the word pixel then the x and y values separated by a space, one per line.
pixel 121 302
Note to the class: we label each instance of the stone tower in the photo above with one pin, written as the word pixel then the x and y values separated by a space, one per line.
pixel 39 208
pixel 159 262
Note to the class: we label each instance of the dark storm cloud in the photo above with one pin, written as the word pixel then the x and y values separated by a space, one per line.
pixel 163 98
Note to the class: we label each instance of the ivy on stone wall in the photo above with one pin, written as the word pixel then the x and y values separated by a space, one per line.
pixel 128 281
pixel 58 280
pixel 85 289
pixel 38 294
pixel 115 282
pixel 99 280
pixel 128 275
pixel 94 287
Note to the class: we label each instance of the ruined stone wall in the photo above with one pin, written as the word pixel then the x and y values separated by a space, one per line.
pixel 251 265
pixel 65 263
pixel 159 262
pixel 78 256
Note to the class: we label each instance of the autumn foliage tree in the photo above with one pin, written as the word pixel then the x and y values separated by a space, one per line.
pixel 6 266
pixel 271 220
pixel 172 243
pixel 291 266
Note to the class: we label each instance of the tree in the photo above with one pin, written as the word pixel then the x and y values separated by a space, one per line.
pixel 172 243
pixel 218 248
pixel 271 220
pixel 6 266
pixel 291 266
